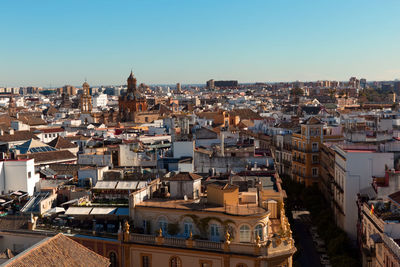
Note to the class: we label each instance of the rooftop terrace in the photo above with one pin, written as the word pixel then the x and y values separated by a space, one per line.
pixel 197 205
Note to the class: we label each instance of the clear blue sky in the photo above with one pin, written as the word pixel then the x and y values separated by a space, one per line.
pixel 61 42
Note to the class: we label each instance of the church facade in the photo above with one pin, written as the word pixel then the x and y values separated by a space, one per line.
pixel 132 102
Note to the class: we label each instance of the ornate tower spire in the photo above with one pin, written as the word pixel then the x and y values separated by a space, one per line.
pixel 12 107
pixel 86 99
pixel 131 83
pixel 86 88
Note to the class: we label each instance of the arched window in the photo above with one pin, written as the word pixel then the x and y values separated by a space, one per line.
pixel 113 259
pixel 258 231
pixel 175 262
pixel 163 224
pixel 244 233
pixel 188 227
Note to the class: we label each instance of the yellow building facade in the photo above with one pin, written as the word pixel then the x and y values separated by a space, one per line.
pixel 306 150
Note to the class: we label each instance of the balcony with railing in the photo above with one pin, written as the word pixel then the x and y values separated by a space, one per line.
pixel 299 160
pixel 301 149
pixel 337 185
pixel 274 246
pixel 286 162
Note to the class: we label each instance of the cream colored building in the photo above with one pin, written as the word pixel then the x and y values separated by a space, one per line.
pixel 215 231
pixel 226 225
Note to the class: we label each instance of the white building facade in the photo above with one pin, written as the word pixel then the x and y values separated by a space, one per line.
pixel 18 175
pixel 354 170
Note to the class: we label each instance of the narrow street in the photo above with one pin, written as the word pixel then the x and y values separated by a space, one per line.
pixel 308 256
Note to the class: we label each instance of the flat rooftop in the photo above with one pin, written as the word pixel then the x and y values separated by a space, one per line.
pixel 196 205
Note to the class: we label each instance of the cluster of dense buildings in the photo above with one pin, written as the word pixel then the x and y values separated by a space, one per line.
pixel 351 153
pixel 149 176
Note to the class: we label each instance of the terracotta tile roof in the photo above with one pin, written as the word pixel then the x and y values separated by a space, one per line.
pixel 32 120
pixel 311 110
pixel 184 176
pixel 51 156
pixel 77 137
pixel 58 251
pixel 312 121
pixel 65 169
pixel 61 143
pixel 245 114
pixel 50 111
pixel 223 186
pixel 395 197
pixel 18 136
pixel 50 130
pixel 287 125
pixel 5 119
pixel 160 108
pixel 245 124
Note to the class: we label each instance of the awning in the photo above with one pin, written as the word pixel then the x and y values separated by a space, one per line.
pixel 78 211
pixel 105 185
pixel 122 212
pixel 72 201
pixel 130 185
pixel 102 211
pixel 54 211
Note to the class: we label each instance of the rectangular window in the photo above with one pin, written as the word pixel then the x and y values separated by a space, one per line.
pixel 145 260
pixel 314 172
pixel 315 147
pixel 315 159
pixel 188 227
pixel 29 174
pixel 205 263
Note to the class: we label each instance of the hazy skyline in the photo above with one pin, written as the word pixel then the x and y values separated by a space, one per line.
pixel 164 42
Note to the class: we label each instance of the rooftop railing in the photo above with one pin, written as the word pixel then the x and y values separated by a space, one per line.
pixel 273 247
